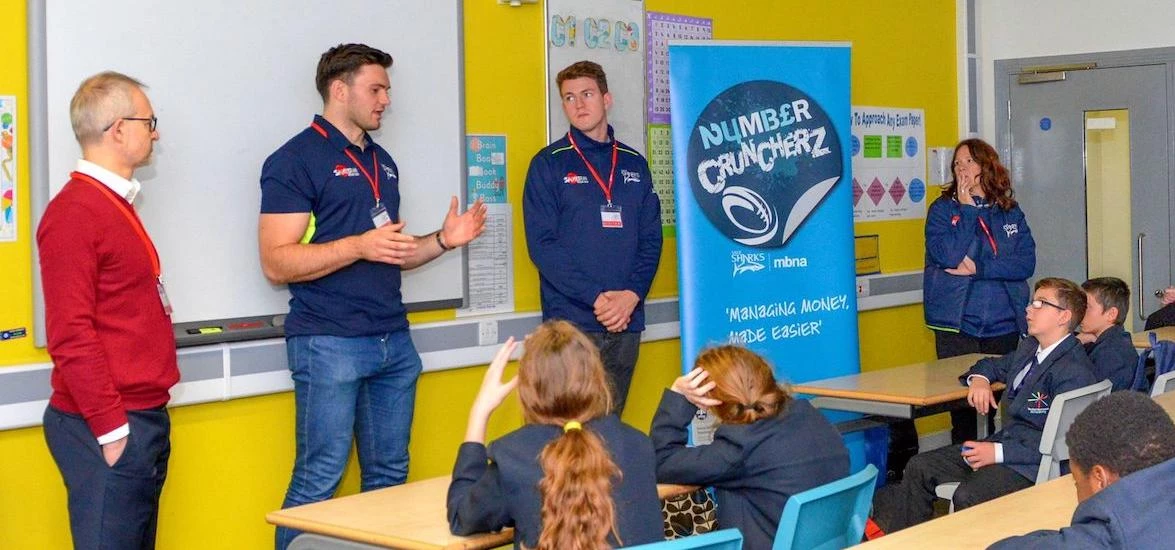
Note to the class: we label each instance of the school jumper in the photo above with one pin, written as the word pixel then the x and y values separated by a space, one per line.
pixel 1132 513
pixel 754 468
pixel 500 487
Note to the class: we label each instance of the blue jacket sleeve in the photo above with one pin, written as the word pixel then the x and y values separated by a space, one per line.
pixel 678 463
pixel 649 247
pixel 540 214
pixel 995 369
pixel 1013 263
pixel 946 242
pixel 1078 537
pixel 476 501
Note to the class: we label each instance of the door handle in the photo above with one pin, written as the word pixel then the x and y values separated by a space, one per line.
pixel 1140 286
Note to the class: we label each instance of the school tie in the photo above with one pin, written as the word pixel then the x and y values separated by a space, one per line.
pixel 1024 374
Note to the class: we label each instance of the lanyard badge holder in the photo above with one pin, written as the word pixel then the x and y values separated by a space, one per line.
pixel 611 215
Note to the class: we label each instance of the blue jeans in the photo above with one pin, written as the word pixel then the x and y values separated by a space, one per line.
pixel 364 386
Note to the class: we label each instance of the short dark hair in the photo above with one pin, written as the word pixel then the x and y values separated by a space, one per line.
pixel 580 69
pixel 1110 292
pixel 343 61
pixel 1069 295
pixel 1124 432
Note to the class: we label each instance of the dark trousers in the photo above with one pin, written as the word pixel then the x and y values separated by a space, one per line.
pixel 618 351
pixel 952 344
pixel 111 507
pixel 912 501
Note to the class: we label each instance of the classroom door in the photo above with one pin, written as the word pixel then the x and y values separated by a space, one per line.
pixel 1088 154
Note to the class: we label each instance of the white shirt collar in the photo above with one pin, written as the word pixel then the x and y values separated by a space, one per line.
pixel 1043 353
pixel 127 189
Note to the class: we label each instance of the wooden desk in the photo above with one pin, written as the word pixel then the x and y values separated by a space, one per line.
pixel 1049 505
pixel 912 391
pixel 410 516
pixel 1142 341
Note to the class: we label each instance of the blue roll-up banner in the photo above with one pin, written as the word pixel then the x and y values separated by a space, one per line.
pixel 764 203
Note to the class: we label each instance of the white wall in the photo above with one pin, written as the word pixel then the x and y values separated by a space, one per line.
pixel 1009 29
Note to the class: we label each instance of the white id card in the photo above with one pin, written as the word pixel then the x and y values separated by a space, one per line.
pixel 379 215
pixel 610 216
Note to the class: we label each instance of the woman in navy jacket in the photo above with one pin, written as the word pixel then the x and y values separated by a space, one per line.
pixel 979 256
pixel 574 476
pixel 768 447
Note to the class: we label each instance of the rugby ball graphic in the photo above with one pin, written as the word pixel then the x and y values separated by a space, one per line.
pixel 751 214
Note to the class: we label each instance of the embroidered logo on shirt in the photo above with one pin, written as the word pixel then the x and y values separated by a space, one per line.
pixel 1011 229
pixel 1038 403
pixel 630 176
pixel 572 178
pixel 954 220
pixel 343 171
pixel 389 171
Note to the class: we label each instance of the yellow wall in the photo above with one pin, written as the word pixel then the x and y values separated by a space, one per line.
pixel 230 461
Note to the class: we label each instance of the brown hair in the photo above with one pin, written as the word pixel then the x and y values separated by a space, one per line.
pixel 580 69
pixel 744 384
pixel 1069 296
pixel 343 61
pixel 1110 292
pixel 997 186
pixel 561 379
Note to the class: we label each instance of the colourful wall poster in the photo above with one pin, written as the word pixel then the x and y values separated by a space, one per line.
pixel 764 224
pixel 485 159
pixel 8 199
pixel 889 164
pixel 663 27
pixel 661 165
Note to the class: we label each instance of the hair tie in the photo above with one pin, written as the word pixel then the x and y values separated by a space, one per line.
pixel 572 425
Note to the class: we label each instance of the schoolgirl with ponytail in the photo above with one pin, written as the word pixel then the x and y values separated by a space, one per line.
pixel 573 477
pixel 768 446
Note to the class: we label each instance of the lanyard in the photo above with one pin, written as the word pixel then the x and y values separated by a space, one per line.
pixel 990 239
pixel 592 169
pixel 130 216
pixel 372 181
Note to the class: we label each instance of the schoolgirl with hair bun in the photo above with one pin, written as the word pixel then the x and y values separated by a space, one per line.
pixel 768 447
pixel 574 477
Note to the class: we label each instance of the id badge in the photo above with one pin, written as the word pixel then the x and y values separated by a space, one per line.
pixel 610 216
pixel 379 215
pixel 163 296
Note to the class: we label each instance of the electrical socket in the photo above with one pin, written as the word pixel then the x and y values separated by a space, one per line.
pixel 487 333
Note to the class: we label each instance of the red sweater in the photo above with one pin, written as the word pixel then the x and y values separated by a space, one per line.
pixel 111 341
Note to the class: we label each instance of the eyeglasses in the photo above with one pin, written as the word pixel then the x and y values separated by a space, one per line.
pixel 152 122
pixel 1038 303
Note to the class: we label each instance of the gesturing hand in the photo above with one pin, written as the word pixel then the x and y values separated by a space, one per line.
pixel 458 230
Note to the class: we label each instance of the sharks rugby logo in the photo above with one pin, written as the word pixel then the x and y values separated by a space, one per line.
pixel 762 157
pixel 389 171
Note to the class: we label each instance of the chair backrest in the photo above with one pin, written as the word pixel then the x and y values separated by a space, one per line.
pixel 1065 407
pixel 311 541
pixel 726 539
pixel 1163 383
pixel 829 517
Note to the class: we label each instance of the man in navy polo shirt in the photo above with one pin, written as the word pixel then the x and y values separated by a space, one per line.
pixel 593 226
pixel 330 229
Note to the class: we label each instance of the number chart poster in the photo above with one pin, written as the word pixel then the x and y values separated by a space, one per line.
pixel 889 164
pixel 8 168
pixel 764 216
pixel 611 33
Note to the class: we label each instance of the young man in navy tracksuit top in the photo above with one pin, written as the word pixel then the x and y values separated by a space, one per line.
pixel 1122 452
pixel 1049 362
pixel 593 226
pixel 1106 342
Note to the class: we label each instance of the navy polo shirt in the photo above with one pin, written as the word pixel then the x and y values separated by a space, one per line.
pixel 312 173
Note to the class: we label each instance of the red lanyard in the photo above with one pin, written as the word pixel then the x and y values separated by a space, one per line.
pixel 990 239
pixel 130 217
pixel 373 181
pixel 592 169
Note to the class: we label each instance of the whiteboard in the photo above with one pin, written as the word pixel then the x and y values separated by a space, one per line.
pixel 231 81
pixel 611 33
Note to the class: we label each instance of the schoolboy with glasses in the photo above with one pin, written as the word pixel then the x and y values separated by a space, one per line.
pixel 1048 362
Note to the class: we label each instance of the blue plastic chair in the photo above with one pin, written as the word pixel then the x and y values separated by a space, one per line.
pixel 726 539
pixel 829 517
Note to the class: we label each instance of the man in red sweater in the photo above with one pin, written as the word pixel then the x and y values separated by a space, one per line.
pixel 108 324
